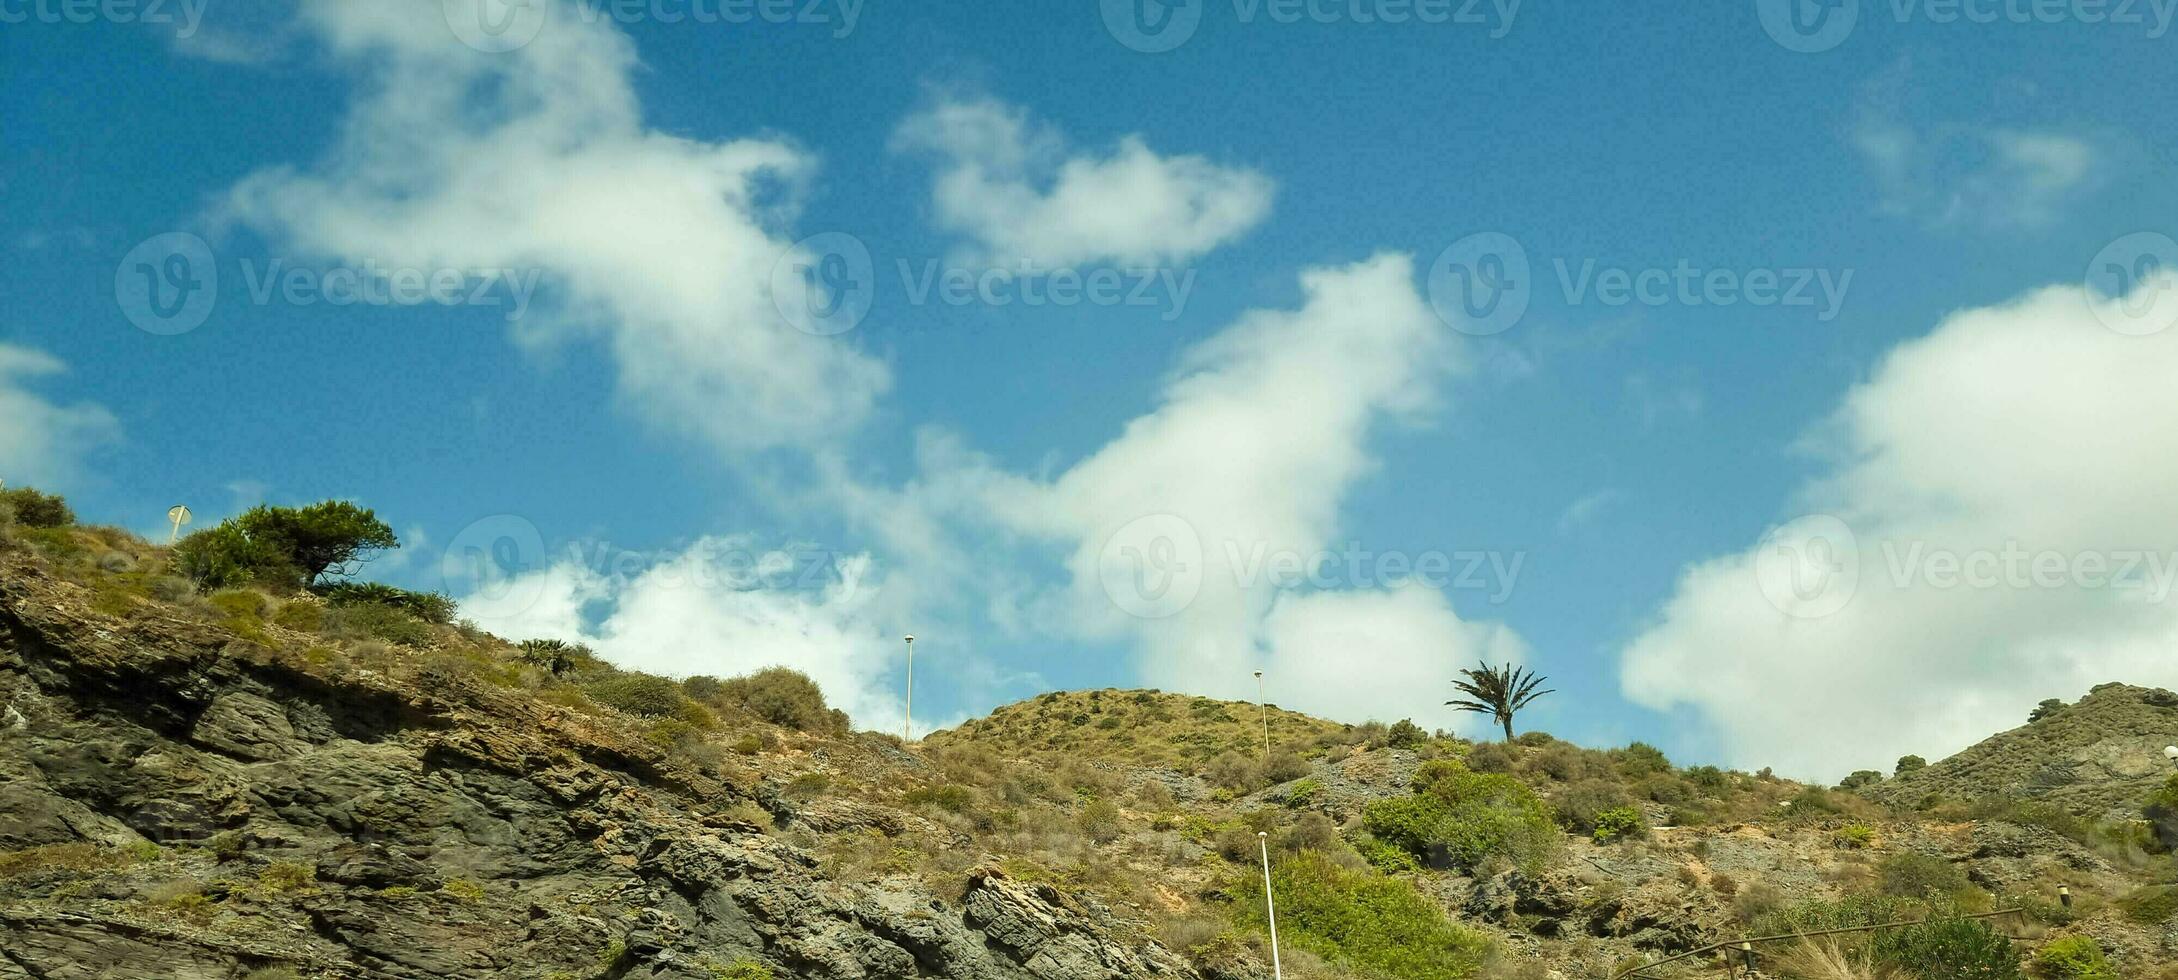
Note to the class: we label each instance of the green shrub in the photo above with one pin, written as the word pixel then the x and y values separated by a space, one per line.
pixel 1640 759
pixel 281 877
pixel 1361 919
pixel 1617 823
pixel 950 797
pixel 1385 857
pixel 1430 773
pixel 1909 763
pixel 284 547
pixel 1465 819
pixel 1709 778
pixel 303 617
pixel 556 656
pixel 1860 778
pixel 1813 803
pixel 672 732
pixel 80 858
pixel 784 697
pixel 1101 821
pixel 1406 822
pixel 742 970
pixel 244 604
pixel 462 890
pixel 1850 912
pixel 225 557
pixel 1853 836
pixel 1311 831
pixel 1304 794
pixel 1949 949
pixel 1666 788
pixel 1493 757
pixel 1579 805
pixel 1405 734
pixel 431 607
pixel 2073 958
pixel 1232 771
pixel 1284 767
pixel 1921 876
pixel 34 509
pixel 643 695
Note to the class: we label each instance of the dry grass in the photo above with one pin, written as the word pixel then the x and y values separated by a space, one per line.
pixel 1826 959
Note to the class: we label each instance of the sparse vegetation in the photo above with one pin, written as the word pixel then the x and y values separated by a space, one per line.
pixel 1218 739
pixel 1921 876
pixel 1096 796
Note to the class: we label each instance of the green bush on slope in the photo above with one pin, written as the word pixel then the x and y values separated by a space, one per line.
pixel 2073 958
pixel 1951 949
pixel 1466 819
pixel 1361 919
pixel 30 508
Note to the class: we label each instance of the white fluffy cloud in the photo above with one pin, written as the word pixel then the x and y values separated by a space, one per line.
pixel 695 613
pixel 1385 655
pixel 1165 536
pixel 2029 444
pixel 42 442
pixel 1012 188
pixel 537 159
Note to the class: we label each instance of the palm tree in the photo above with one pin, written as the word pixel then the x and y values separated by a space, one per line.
pixel 1498 692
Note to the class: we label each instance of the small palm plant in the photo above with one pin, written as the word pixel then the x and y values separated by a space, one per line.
pixel 1498 692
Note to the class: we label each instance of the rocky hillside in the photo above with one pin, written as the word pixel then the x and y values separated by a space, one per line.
pixel 1138 727
pixel 2100 755
pixel 238 783
pixel 181 801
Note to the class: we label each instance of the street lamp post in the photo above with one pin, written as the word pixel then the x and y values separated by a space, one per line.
pixel 907 727
pixel 1270 905
pixel 1262 710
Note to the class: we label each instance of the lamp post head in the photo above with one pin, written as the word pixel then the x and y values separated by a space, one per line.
pixel 1259 675
pixel 1262 833
pixel 2171 752
pixel 911 638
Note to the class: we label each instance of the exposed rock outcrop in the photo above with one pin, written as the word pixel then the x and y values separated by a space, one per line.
pixel 343 825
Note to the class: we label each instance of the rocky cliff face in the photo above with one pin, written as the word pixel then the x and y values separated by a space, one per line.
pixel 176 802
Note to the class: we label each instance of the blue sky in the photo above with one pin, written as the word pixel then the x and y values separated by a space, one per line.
pixel 958 469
